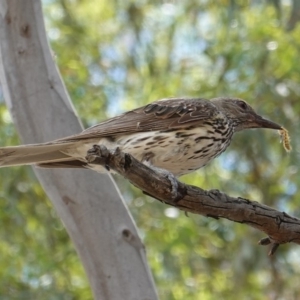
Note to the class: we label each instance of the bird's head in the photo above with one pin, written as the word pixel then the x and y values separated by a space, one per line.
pixel 242 114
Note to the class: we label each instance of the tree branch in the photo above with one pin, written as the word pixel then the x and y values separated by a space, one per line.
pixel 279 226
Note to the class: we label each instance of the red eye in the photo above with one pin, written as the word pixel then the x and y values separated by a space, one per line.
pixel 243 105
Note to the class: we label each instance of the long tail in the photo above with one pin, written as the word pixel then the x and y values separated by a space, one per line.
pixel 45 155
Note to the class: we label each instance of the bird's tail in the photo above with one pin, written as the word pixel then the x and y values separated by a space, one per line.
pixel 39 154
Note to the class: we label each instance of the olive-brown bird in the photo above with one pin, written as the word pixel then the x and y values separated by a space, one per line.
pixel 179 135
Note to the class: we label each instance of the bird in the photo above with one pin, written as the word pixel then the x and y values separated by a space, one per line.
pixel 179 135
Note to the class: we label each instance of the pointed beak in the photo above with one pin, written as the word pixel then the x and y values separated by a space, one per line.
pixel 260 122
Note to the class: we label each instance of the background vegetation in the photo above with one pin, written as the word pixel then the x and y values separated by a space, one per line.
pixel 117 55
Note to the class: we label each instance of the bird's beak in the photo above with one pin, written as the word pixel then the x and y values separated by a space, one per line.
pixel 260 122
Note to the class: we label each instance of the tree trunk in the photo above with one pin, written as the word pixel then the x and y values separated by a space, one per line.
pixel 89 204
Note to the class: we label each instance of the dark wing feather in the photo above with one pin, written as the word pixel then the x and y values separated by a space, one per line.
pixel 160 115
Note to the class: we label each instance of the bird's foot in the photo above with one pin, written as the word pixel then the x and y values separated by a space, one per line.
pixel 174 186
pixel 173 181
pixel 99 154
pixel 268 241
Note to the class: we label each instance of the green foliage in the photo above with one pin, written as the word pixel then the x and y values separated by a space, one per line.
pixel 117 55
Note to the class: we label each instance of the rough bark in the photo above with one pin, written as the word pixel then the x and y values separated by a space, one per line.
pixel 89 205
pixel 294 16
pixel 279 226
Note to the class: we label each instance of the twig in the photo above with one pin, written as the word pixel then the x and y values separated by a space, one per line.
pixel 280 227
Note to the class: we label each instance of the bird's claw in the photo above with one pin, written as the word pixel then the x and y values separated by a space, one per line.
pixel 267 241
pixel 174 186
pixel 173 182
pixel 99 154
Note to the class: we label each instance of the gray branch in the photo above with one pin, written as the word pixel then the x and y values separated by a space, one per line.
pixel 279 226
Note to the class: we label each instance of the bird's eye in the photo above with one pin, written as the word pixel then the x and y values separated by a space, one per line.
pixel 243 105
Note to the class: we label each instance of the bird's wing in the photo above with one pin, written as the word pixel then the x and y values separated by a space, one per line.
pixel 161 115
